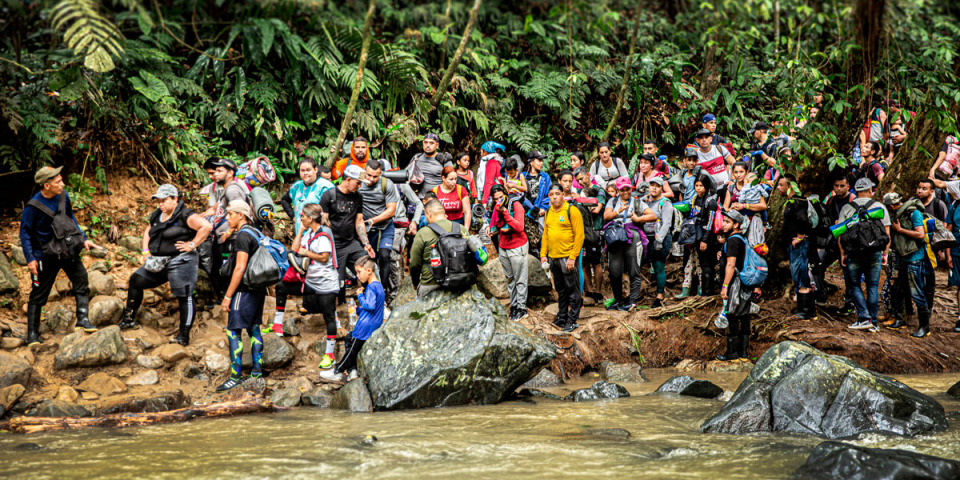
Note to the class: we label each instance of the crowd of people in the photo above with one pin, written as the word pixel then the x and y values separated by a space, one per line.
pixel 364 224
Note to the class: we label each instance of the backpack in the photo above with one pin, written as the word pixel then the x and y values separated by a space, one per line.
pixel 948 167
pixel 268 264
pixel 864 234
pixel 754 266
pixel 820 229
pixel 453 265
pixel 67 241
pixel 591 237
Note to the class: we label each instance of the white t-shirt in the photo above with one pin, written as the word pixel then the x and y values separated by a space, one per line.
pixel 321 277
pixel 714 163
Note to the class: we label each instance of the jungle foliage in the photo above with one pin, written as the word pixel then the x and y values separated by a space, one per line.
pixel 163 84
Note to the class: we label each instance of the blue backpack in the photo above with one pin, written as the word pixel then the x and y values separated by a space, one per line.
pixel 268 264
pixel 754 266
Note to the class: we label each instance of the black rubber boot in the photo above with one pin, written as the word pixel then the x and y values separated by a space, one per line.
pixel 33 325
pixel 811 306
pixel 83 321
pixel 733 351
pixel 742 345
pixel 801 307
pixel 956 328
pixel 924 319
pixel 129 320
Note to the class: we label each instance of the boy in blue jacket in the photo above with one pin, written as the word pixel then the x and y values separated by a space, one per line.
pixel 370 305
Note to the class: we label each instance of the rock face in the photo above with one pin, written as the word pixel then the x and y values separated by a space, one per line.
pixel 405 293
pixel 449 349
pixel 598 391
pixel 799 389
pixel 58 408
pixel 8 281
pixel 13 370
pixel 691 387
pixel 492 280
pixel 105 310
pixel 842 461
pixel 354 397
pixel 104 347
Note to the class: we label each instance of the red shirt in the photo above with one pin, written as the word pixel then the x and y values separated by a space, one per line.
pixel 516 237
pixel 453 201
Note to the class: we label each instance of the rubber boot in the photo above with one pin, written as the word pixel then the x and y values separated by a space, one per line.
pixel 924 319
pixel 83 321
pixel 33 325
pixel 801 307
pixel 742 348
pixel 129 320
pixel 684 293
pixel 811 306
pixel 956 328
pixel 733 352
pixel 183 334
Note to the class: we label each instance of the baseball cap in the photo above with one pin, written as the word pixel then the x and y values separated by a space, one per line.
pixel 701 132
pixel 355 172
pixel 709 118
pixel 623 182
pixel 892 198
pixel 734 215
pixel 241 207
pixel 165 191
pixel 432 136
pixel 46 174
pixel 535 154
pixel 226 163
pixel 863 185
pixel 758 126
pixel 690 152
pixel 656 180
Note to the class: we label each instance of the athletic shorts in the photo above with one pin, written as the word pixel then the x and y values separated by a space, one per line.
pixel 246 310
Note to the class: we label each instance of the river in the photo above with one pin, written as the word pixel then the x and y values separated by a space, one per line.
pixel 519 439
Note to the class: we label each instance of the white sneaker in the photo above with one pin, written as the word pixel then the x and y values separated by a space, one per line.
pixel 329 374
pixel 352 375
pixel 860 325
pixel 873 329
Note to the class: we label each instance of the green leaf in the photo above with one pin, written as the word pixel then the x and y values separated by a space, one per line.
pixel 150 86
pixel 240 89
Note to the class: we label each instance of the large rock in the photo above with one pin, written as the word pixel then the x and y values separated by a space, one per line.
pixel 621 372
pixel 492 280
pixel 538 283
pixel 58 319
pixel 102 384
pixel 954 391
pixel 104 347
pixel 317 397
pixel 799 389
pixel 353 397
pixel 545 379
pixel 18 256
pixel 9 396
pixel 105 310
pixel 8 281
pixel 843 461
pixel 405 293
pixel 132 243
pixel 285 397
pixel 691 387
pixel 450 349
pixel 215 362
pixel 101 284
pixel 160 402
pixel 276 353
pixel 58 408
pixel 14 370
pixel 598 391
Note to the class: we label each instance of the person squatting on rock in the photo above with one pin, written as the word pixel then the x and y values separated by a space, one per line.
pixel 561 246
pixel 736 295
pixel 170 255
pixel 52 241
pixel 244 305
pixel 370 312
pixel 424 244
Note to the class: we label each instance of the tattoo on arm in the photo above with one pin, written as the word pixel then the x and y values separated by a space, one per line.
pixel 362 231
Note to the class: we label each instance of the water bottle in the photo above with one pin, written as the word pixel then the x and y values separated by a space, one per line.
pixel 336 316
pixel 721 320
pixel 435 257
pixel 352 312
pixel 546 269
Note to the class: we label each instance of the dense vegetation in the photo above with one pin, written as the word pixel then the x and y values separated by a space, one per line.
pixel 161 84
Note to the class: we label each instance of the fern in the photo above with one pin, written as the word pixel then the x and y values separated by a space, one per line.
pixel 88 33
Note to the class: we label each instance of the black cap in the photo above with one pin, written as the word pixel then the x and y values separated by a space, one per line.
pixel 535 154
pixel 701 132
pixel 758 126
pixel 226 163
pixel 650 158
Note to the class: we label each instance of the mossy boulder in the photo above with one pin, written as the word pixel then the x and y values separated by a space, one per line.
pixel 796 388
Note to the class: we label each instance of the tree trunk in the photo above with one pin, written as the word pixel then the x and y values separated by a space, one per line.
pixel 626 77
pixel 868 18
pixel 119 420
pixel 355 96
pixel 446 35
pixel 455 62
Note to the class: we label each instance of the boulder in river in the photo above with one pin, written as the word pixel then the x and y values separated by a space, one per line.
pixel 843 461
pixel 104 347
pixel 545 379
pixel 621 372
pixel 798 389
pixel 450 349
pixel 13 370
pixel 285 397
pixel 954 391
pixel 598 391
pixel 58 408
pixel 317 397
pixel 354 397
pixel 691 387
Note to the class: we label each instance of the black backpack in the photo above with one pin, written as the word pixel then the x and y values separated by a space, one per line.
pixel 67 241
pixel 591 237
pixel 864 234
pixel 458 268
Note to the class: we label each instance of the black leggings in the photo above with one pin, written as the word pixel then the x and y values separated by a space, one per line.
pixel 623 259
pixel 708 268
pixel 138 283
pixel 352 350
pixel 738 325
pixel 326 304
pixel 284 289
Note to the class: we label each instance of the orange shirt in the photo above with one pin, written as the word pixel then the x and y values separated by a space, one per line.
pixel 341 165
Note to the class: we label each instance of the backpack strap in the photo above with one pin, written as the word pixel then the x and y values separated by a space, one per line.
pixel 43 208
pixel 443 233
pixel 253 231
pixel 383 186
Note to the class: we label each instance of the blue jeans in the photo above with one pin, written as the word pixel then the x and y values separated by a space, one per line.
pixel 914 275
pixel 799 266
pixel 867 265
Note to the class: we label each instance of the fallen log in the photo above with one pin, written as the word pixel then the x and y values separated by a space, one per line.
pixel 243 406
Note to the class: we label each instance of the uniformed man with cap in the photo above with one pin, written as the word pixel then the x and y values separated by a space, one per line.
pixel 52 241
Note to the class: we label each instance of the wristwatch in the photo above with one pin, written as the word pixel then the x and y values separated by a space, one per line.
pixel 192 245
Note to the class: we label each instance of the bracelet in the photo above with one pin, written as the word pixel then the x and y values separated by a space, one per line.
pixel 725 285
pixel 144 251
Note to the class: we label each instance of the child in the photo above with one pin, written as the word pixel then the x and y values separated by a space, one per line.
pixel 465 175
pixel 370 303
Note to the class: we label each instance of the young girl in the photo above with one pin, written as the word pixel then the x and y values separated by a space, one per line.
pixel 739 181
pixel 704 206
pixel 465 175
pixel 576 162
pixel 370 302
pixel 512 181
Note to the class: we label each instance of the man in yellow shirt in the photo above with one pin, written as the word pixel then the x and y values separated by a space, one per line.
pixel 561 245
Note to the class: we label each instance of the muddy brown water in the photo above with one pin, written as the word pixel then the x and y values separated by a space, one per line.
pixel 518 439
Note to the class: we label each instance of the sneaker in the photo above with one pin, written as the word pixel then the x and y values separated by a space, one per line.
pixel 522 313
pixel 353 375
pixel 557 322
pixel 657 303
pixel 326 362
pixel 570 327
pixel 889 321
pixel 873 328
pixel 860 325
pixel 272 328
pixel 626 306
pixel 329 374
pixel 847 310
pixel 614 306
pixel 229 384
